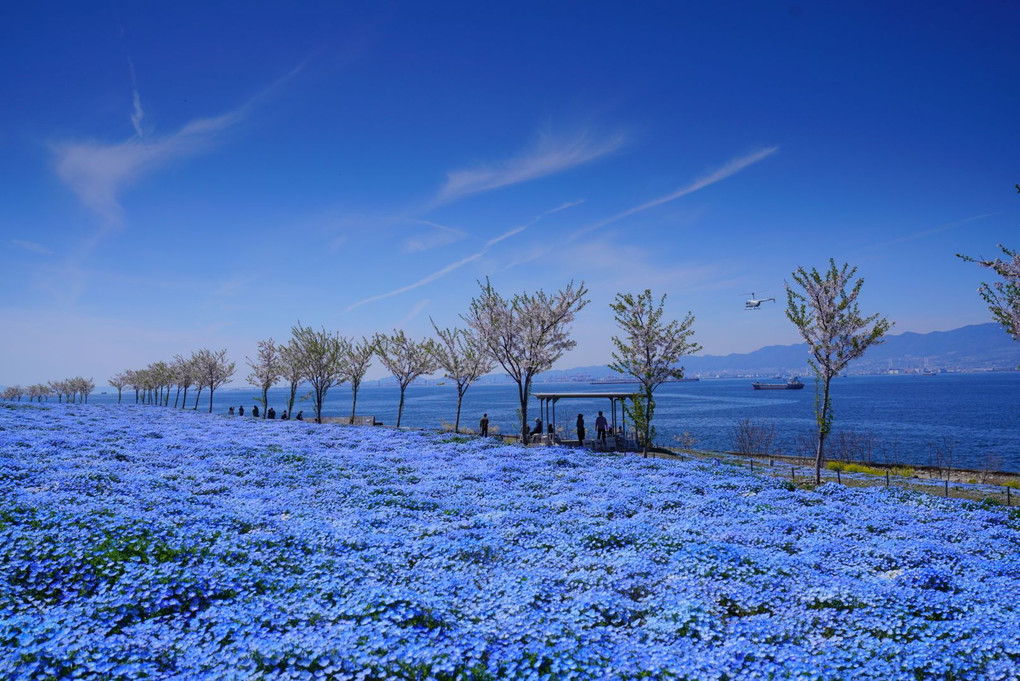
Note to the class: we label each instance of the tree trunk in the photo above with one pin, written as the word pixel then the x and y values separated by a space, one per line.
pixel 184 400
pixel 400 409
pixel 265 401
pixel 318 405
pixel 523 388
pixel 293 394
pixel 648 423
pixel 197 396
pixel 177 398
pixel 354 402
pixel 456 423
pixel 210 398
pixel 823 431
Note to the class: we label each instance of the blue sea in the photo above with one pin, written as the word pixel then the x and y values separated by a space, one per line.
pixel 900 419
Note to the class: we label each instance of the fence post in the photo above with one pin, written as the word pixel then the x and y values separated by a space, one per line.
pixel 751 463
pixel 947 487
pixel 838 479
pixel 887 478
pixel 793 473
pixel 1007 497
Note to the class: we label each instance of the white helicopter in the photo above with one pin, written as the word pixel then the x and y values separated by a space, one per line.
pixel 755 303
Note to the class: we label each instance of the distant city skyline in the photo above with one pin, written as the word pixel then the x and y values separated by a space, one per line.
pixel 197 176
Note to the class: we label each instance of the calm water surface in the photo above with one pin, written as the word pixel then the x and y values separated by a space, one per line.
pixel 977 415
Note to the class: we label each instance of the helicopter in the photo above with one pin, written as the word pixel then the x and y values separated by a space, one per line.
pixel 755 304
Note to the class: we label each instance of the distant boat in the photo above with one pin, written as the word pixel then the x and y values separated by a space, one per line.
pixel 793 384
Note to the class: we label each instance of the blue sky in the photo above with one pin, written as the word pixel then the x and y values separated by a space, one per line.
pixel 187 175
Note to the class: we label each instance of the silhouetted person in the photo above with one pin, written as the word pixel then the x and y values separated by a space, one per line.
pixel 300 416
pixel 230 412
pixel 283 416
pixel 255 411
pixel 240 410
pixel 483 425
pixel 601 425
pixel 270 413
pixel 580 429
pixel 537 430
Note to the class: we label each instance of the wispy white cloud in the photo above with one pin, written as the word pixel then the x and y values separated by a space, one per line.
pixel 415 311
pixel 439 235
pixel 32 246
pixel 728 170
pixel 138 113
pixel 548 156
pixel 99 172
pixel 440 273
pixel 928 232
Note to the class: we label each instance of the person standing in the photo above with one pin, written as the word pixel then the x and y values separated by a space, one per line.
pixel 580 430
pixel 601 426
pixel 255 411
pixel 483 425
pixel 240 410
pixel 538 426
pixel 270 413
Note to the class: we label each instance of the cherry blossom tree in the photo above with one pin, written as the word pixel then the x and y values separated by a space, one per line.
pixel 650 349
pixel 406 359
pixel 291 372
pixel 85 387
pixel 356 360
pixel 183 372
pixel 1003 297
pixel 527 333
pixel 829 320
pixel 463 360
pixel 212 370
pixel 13 392
pixel 58 388
pixel 119 381
pixel 320 355
pixel 161 380
pixel 266 370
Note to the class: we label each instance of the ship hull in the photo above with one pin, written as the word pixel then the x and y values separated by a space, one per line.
pixel 777 386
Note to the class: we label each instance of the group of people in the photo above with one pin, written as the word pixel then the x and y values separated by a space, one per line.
pixel 270 413
pixel 601 428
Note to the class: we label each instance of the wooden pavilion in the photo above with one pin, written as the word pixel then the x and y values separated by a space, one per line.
pixel 547 409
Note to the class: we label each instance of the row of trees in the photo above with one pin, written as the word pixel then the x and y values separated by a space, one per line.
pixel 75 389
pixel 527 333
pixel 326 359
pixel 153 384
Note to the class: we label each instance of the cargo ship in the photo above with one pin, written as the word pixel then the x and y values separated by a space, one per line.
pixel 793 384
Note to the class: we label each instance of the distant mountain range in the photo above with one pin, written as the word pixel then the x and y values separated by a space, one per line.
pixel 980 347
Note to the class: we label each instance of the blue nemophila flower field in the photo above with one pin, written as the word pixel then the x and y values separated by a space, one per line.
pixel 143 542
